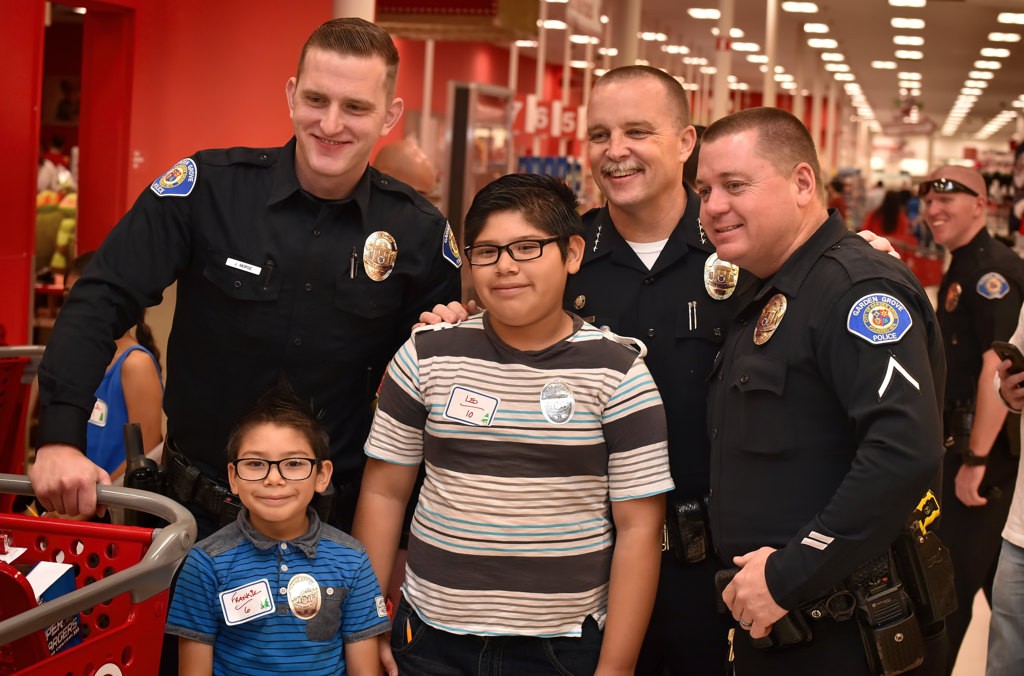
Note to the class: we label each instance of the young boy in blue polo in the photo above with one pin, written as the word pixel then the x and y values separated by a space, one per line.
pixel 536 540
pixel 277 591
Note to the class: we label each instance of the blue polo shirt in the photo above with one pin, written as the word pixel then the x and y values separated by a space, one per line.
pixel 238 573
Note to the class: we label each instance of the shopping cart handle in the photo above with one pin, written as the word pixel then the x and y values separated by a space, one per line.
pixel 149 577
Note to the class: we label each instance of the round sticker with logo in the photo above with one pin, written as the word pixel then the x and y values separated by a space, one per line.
pixel 720 277
pixel 557 402
pixel 379 254
pixel 771 317
pixel 304 596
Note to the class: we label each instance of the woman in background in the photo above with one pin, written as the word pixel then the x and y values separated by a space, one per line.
pixel 890 221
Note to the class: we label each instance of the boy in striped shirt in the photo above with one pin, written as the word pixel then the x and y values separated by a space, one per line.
pixel 277 591
pixel 535 543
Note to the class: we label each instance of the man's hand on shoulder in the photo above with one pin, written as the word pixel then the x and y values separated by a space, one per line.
pixel 64 480
pixel 453 313
pixel 879 243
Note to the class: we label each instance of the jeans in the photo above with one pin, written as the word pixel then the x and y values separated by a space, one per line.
pixel 432 652
pixel 1006 631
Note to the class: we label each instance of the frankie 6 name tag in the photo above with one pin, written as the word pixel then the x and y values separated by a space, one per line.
pixel 247 603
pixel 470 407
pixel 879 318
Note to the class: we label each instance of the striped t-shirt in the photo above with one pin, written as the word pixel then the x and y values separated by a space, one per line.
pixel 232 571
pixel 523 451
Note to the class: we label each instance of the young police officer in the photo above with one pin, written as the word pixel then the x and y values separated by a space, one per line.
pixel 297 260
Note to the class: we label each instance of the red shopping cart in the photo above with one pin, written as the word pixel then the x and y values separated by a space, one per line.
pixel 122 576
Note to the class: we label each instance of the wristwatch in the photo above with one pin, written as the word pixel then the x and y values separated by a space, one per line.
pixel 972 460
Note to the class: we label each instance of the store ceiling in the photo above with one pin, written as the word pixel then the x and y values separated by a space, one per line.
pixel 954 34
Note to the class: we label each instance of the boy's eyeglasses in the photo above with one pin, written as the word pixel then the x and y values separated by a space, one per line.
pixel 290 469
pixel 945 186
pixel 522 250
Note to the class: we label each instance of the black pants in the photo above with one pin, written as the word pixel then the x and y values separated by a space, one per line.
pixel 974 536
pixel 686 635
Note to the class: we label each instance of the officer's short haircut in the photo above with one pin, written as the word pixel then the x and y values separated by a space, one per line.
pixel 676 94
pixel 543 201
pixel 352 36
pixel 782 139
pixel 281 406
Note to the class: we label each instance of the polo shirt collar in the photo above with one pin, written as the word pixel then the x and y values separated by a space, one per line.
pixel 306 543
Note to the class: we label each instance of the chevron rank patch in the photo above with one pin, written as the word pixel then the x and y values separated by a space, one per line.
pixel 449 247
pixel 993 286
pixel 178 181
pixel 879 318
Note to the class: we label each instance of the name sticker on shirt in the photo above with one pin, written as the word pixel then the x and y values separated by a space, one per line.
pixel 179 180
pixel 993 286
pixel 244 267
pixel 99 413
pixel 879 318
pixel 247 603
pixel 470 407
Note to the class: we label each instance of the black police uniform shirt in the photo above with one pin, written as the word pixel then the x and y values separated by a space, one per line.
pixel 826 435
pixel 979 301
pixel 271 283
pixel 669 309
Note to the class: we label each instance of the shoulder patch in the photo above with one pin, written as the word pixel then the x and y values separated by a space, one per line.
pixel 993 286
pixel 449 247
pixel 879 318
pixel 178 181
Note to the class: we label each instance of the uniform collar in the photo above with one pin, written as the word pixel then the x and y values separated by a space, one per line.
pixel 307 543
pixel 286 181
pixel 604 239
pixel 794 271
pixel 979 242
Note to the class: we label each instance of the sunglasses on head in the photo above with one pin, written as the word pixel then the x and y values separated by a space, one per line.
pixel 945 186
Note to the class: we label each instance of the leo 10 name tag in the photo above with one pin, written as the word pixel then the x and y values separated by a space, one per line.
pixel 470 407
pixel 247 603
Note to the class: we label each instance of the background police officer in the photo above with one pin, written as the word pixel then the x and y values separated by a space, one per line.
pixel 979 299
pixel 297 262
pixel 824 404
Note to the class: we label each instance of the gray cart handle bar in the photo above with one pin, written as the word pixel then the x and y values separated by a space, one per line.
pixel 149 577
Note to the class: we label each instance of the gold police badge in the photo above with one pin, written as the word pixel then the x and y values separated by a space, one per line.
pixel 304 596
pixel 379 254
pixel 720 277
pixel 771 317
pixel 953 296
pixel 580 302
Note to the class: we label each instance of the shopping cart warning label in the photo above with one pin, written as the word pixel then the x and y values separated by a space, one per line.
pixel 246 603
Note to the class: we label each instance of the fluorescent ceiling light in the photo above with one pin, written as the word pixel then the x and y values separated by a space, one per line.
pixel 608 51
pixel 649 36
pixel 1010 17
pixel 708 70
pixel 800 7
pixel 757 58
pixel 907 3
pixel 908 40
pixel 1004 37
pixel 832 56
pixel 704 13
pixel 908 76
pixel 903 22
pixel 971 91
pixel 980 75
pixel 734 33
pixel 583 39
pixel 675 49
pixel 988 65
pixel 746 47
pixel 909 83
pixel 784 77
pixel 977 84
pixel 909 54
pixel 845 77
pixel 822 43
pixel 788 85
pixel 884 65
pixel 553 24
pixel 579 64
pixel 815 28
pixel 995 52
pixel 526 43
pixel 837 68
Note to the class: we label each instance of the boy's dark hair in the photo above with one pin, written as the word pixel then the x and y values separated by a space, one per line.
pixel 352 36
pixel 143 332
pixel 544 201
pixel 281 406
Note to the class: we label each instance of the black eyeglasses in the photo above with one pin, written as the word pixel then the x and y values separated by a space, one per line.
pixel 945 186
pixel 290 469
pixel 522 250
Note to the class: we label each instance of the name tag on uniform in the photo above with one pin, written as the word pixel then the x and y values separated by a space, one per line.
pixel 244 267
pixel 470 407
pixel 247 603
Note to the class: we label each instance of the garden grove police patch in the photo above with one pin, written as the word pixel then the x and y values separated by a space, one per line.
pixel 449 247
pixel 178 181
pixel 879 318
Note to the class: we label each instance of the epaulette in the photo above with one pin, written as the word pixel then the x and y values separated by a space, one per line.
pixel 222 157
pixel 391 184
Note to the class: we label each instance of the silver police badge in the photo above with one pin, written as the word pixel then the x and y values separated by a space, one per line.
pixel 557 402
pixel 304 596
pixel 720 277
pixel 379 254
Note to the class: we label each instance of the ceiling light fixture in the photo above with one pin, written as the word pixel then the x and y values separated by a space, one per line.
pixel 909 54
pixel 884 65
pixel 815 28
pixel 800 7
pixel 1004 37
pixel 822 43
pixel 905 23
pixel 704 13
pixel 908 40
pixel 832 56
pixel 995 52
